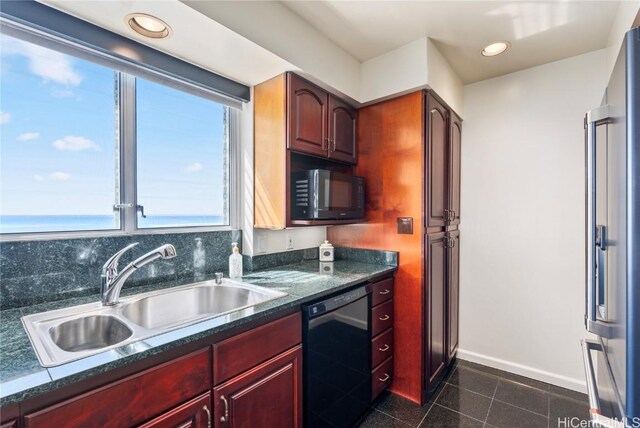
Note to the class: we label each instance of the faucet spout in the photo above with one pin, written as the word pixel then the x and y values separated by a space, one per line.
pixel 112 281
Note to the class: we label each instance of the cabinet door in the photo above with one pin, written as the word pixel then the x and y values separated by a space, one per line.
pixel 453 291
pixel 437 160
pixel 435 305
pixel 342 131
pixel 269 395
pixel 307 117
pixel 195 413
pixel 455 146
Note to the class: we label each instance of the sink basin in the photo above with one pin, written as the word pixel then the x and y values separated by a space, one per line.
pixel 178 307
pixel 69 334
pixel 91 332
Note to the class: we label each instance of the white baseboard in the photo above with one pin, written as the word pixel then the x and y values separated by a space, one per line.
pixel 522 370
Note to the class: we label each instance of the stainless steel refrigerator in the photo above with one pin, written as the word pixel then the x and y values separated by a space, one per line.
pixel 612 360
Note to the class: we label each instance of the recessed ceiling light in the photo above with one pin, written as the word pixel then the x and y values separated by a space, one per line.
pixel 495 48
pixel 148 25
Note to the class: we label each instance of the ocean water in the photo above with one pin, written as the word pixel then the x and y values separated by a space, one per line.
pixel 65 223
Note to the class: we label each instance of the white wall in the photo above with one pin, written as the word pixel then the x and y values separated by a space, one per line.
pixel 627 12
pixel 397 71
pixel 443 80
pixel 522 230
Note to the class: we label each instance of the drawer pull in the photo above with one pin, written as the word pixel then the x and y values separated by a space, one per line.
pixel 385 291
pixel 384 317
pixel 208 412
pixel 385 348
pixel 384 378
pixel 225 417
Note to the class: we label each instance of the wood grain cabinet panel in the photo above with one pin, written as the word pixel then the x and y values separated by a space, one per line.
pixel 453 291
pixel 342 131
pixel 132 400
pixel 381 347
pixel 196 413
pixel 381 318
pixel 246 350
pixel 437 161
pixel 307 112
pixel 10 424
pixel 381 378
pixel 455 147
pixel 381 291
pixel 436 280
pixel 269 395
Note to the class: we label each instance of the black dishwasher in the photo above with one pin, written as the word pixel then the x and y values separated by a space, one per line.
pixel 337 359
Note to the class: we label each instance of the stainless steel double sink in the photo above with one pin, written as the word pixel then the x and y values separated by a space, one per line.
pixel 65 335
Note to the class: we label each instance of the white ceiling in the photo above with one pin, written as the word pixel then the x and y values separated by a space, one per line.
pixel 539 31
pixel 196 38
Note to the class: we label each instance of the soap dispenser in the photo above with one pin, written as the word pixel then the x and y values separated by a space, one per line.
pixel 235 262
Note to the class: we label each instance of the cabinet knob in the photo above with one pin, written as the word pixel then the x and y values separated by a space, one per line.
pixel 208 412
pixel 384 317
pixel 385 291
pixel 384 378
pixel 225 417
pixel 385 348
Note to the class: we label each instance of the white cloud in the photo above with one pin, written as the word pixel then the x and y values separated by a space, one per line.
pixel 48 64
pixel 5 117
pixel 60 176
pixel 72 143
pixel 29 136
pixel 38 177
pixel 194 167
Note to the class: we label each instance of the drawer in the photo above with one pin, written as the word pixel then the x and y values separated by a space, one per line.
pixel 192 414
pixel 381 291
pixel 381 378
pixel 134 399
pixel 381 317
pixel 381 347
pixel 246 350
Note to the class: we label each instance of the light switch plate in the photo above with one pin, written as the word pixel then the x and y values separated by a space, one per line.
pixel 405 225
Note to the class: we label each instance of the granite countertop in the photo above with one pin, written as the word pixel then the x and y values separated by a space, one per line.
pixel 21 376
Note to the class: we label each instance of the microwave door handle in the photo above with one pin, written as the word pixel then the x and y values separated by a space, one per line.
pixel 592 323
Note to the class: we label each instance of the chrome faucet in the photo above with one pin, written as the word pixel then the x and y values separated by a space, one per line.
pixel 112 281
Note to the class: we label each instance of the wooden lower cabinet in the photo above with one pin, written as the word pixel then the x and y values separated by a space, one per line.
pixel 435 303
pixel 381 336
pixel 252 379
pixel 132 400
pixel 195 413
pixel 269 395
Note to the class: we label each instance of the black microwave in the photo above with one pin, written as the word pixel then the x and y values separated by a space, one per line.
pixel 319 194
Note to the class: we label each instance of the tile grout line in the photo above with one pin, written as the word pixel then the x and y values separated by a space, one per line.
pixel 456 411
pixel 493 397
pixel 436 399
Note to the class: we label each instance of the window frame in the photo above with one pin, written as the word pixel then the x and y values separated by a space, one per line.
pixel 128 148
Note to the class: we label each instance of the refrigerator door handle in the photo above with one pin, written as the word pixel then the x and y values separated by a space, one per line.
pixel 595 409
pixel 592 323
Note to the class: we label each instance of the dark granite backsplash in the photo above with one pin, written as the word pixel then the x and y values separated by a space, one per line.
pixel 40 271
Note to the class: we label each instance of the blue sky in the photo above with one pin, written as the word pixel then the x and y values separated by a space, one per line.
pixel 58 140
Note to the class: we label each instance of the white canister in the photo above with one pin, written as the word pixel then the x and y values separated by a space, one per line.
pixel 326 252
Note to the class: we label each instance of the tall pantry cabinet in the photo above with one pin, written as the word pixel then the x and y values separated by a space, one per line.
pixel 409 153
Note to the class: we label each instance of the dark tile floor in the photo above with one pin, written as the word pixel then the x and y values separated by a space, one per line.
pixel 473 395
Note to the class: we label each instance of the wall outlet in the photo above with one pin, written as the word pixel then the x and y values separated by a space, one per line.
pixel 289 241
pixel 262 243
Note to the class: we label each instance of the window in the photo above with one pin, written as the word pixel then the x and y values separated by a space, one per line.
pixel 85 147
pixel 181 158
pixel 58 141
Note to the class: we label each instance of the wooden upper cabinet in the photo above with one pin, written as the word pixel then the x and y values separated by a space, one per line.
pixel 342 131
pixel 307 117
pixel 453 291
pixel 455 146
pixel 269 395
pixel 437 354
pixel 437 161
